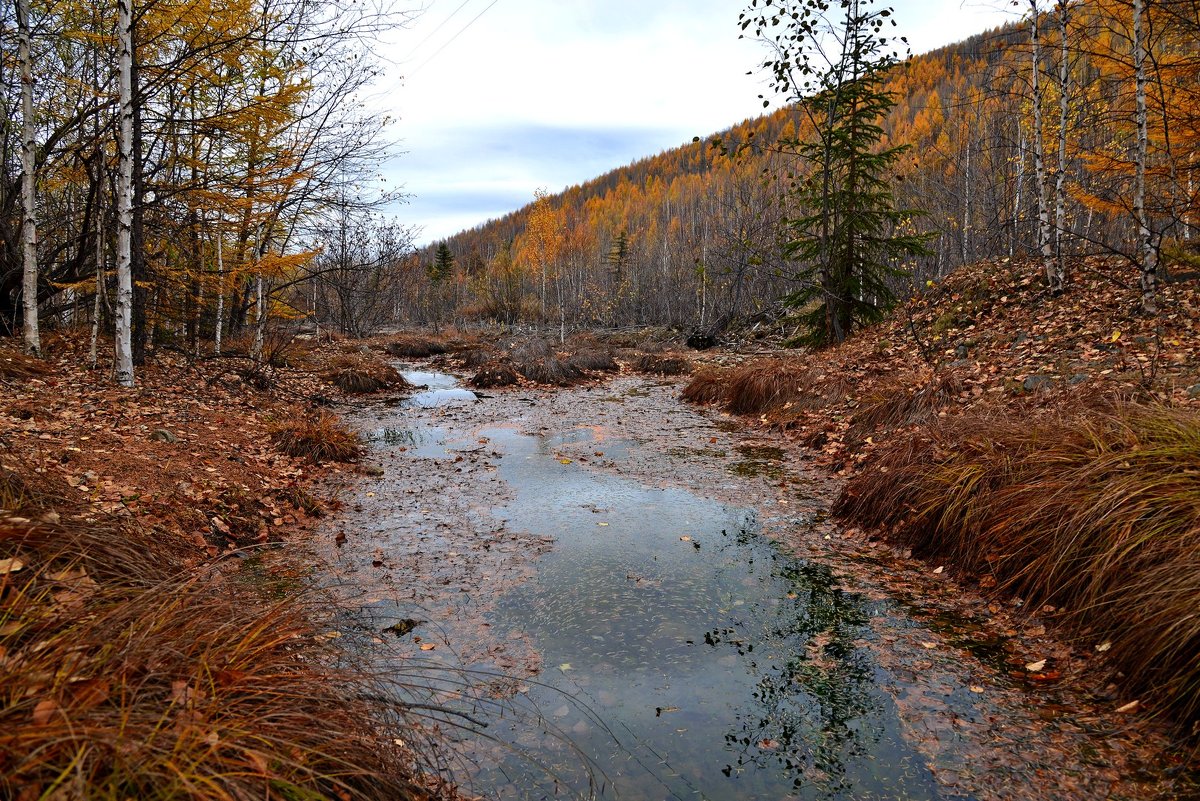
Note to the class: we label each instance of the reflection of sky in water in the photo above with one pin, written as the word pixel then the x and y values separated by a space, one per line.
pixel 440 390
pixel 724 671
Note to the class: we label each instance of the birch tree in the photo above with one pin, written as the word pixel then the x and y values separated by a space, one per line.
pixel 1146 237
pixel 29 267
pixel 1045 244
pixel 124 309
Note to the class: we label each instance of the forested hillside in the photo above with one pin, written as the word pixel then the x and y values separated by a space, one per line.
pixel 690 237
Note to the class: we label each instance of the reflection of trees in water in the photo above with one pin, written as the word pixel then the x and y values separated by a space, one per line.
pixel 816 701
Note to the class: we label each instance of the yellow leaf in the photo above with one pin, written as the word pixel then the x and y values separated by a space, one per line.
pixel 564 461
pixel 1115 336
pixel 428 646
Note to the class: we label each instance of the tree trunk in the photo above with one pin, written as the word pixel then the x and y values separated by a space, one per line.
pixel 29 266
pixel 1060 195
pixel 124 312
pixel 1045 245
pixel 1146 238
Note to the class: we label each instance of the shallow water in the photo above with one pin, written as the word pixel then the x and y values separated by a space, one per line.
pixel 684 656
pixel 439 389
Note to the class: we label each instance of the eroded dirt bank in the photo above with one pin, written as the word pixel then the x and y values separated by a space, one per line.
pixel 598 561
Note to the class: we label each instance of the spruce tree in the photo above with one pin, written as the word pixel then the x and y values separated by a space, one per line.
pixel 844 232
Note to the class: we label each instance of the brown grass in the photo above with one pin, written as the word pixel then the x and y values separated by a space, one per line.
pixel 499 373
pixel 706 386
pixel 549 370
pixel 15 364
pixel 319 438
pixel 358 375
pixel 662 364
pixel 598 361
pixel 122 677
pixel 766 384
pixel 904 405
pixel 1095 513
pixel 414 346
pixel 476 358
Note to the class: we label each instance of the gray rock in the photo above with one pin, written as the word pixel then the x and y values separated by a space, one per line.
pixel 1194 391
pixel 1078 378
pixel 163 435
pixel 962 351
pixel 1035 382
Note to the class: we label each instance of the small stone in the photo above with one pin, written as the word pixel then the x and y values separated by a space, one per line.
pixel 373 470
pixel 1194 391
pixel 163 435
pixel 1035 382
pixel 962 351
pixel 1078 378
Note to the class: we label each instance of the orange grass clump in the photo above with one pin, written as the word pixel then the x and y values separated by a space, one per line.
pixel 318 438
pixel 123 675
pixel 1096 513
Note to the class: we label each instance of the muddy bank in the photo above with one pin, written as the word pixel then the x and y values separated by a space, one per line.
pixel 651 587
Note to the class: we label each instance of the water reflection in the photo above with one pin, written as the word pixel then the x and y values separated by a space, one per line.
pixel 685 654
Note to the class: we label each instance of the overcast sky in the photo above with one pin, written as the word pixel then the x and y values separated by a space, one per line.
pixel 497 98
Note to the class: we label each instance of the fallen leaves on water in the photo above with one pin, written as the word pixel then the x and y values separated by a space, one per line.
pixel 685 538
pixel 565 666
pixel 427 646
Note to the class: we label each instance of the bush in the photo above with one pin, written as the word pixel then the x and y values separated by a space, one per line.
pixel 1096 513
pixel 127 677
pixel 318 438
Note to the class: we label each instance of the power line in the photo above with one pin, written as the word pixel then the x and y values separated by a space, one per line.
pixel 452 38
pixel 440 25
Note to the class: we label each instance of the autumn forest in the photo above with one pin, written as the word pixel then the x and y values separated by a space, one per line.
pixel 851 451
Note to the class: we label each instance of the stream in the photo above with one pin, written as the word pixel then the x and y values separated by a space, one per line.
pixel 629 599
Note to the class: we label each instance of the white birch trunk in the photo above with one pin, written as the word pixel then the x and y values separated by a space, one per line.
pixel 1017 194
pixel 29 266
pixel 260 320
pixel 1039 157
pixel 966 219
pixel 1149 253
pixel 1060 196
pixel 93 357
pixel 220 324
pixel 124 310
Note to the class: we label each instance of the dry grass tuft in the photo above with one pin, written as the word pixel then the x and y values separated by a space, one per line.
pixel 318 438
pixel 499 373
pixel 15 364
pixel 662 364
pixel 707 386
pixel 598 361
pixel 123 677
pixel 358 375
pixel 1095 513
pixel 897 406
pixel 474 359
pixel 532 350
pixel 766 384
pixel 549 370
pixel 414 346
